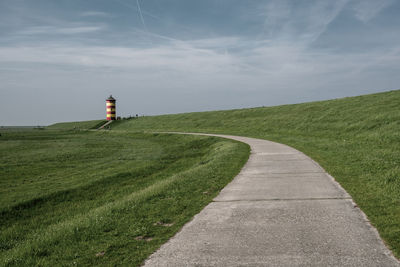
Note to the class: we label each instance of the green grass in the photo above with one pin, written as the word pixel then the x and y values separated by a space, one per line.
pixel 104 198
pixel 355 139
pixel 4 129
pixel 78 125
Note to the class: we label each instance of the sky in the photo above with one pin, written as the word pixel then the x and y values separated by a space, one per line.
pixel 60 60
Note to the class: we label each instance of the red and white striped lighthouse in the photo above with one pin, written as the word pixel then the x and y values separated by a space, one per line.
pixel 110 105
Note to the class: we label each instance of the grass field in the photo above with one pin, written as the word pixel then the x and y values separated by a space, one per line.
pixel 355 139
pixel 78 125
pixel 103 198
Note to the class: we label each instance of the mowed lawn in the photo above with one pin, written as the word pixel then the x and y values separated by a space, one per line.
pixel 356 139
pixel 104 198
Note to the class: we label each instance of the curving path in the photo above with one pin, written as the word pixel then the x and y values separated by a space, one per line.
pixel 282 209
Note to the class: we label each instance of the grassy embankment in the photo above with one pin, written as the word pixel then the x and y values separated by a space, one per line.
pixel 355 139
pixel 103 198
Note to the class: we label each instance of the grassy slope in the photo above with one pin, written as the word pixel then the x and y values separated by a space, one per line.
pixel 355 139
pixel 78 125
pixel 67 196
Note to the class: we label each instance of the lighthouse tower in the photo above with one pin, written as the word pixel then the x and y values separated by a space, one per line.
pixel 110 105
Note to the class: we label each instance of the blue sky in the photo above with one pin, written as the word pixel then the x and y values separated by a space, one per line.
pixel 60 60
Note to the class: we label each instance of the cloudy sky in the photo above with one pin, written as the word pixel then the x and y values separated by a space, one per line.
pixel 60 60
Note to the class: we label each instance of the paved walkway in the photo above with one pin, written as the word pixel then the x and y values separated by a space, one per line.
pixel 282 209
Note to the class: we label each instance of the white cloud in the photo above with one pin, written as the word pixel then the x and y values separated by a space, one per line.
pixel 94 14
pixel 365 10
pixel 177 57
pixel 305 23
pixel 59 30
pixel 203 57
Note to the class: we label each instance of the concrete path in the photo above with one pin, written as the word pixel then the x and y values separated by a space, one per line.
pixel 104 125
pixel 282 209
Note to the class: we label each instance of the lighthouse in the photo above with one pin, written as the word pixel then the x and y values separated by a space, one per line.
pixel 110 105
